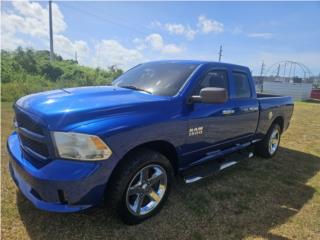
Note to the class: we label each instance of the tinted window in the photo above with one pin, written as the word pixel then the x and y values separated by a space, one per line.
pixel 159 78
pixel 242 86
pixel 213 79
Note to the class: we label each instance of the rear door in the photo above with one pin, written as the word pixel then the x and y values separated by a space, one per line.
pixel 245 104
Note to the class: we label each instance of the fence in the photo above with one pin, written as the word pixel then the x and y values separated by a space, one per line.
pixel 299 91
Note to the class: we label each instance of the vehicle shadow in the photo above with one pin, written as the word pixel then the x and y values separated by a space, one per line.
pixel 247 200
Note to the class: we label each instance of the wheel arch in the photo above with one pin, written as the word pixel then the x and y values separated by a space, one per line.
pixel 279 120
pixel 164 147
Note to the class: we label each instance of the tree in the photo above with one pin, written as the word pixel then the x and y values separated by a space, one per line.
pixel 25 59
pixel 50 71
pixel 26 71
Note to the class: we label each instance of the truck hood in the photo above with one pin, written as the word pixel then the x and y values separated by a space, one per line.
pixel 61 107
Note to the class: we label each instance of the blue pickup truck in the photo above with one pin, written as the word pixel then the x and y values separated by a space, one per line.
pixel 124 144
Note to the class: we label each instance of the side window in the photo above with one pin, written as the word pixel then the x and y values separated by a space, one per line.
pixel 241 84
pixel 215 78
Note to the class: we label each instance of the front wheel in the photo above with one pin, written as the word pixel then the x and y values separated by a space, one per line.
pixel 141 186
pixel 270 144
pixel 146 190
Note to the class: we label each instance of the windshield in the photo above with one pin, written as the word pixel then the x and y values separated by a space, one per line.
pixel 158 78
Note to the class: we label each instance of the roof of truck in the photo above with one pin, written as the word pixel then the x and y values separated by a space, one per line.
pixel 227 65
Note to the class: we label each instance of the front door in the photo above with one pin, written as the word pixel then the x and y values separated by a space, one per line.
pixel 210 125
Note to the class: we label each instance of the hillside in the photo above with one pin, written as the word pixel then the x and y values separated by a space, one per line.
pixel 26 71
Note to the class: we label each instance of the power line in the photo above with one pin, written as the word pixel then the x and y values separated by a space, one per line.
pixel 104 19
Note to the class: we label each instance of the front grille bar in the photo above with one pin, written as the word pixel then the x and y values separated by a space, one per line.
pixel 32 135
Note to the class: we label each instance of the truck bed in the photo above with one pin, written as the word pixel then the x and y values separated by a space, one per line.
pixel 272 106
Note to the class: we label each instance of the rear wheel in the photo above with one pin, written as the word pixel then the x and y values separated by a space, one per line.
pixel 270 144
pixel 141 186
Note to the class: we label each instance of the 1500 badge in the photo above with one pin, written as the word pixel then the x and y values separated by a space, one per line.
pixel 195 131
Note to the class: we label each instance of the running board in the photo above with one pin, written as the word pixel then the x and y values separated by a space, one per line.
pixel 196 173
pixel 227 164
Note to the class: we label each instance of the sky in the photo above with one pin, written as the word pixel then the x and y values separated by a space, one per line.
pixel 127 33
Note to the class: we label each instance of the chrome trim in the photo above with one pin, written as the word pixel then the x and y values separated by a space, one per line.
pixel 194 179
pixel 228 164
pixel 274 141
pixel 253 109
pixel 219 144
pixel 228 112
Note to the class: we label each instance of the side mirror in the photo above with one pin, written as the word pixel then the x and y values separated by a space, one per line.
pixel 211 95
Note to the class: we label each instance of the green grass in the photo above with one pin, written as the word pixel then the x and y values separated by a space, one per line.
pixel 277 198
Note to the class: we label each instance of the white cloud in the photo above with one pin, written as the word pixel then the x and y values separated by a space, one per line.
pixel 67 48
pixel 155 24
pixel 208 25
pixel 179 29
pixel 204 25
pixel 29 20
pixel 265 35
pixel 8 39
pixel 111 52
pixel 32 20
pixel 155 42
pixel 237 30
pixel 171 48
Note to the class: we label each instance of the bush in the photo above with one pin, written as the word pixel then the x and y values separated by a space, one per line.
pixel 28 71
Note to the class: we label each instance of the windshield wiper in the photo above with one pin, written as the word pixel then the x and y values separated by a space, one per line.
pixel 135 88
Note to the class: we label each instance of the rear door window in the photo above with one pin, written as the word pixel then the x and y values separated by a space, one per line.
pixel 242 85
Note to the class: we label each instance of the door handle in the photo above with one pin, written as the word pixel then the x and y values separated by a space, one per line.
pixel 253 109
pixel 228 112
pixel 250 109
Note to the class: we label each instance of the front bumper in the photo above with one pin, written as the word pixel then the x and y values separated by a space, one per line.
pixel 61 185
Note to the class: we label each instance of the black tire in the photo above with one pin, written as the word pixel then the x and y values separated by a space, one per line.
pixel 126 173
pixel 262 148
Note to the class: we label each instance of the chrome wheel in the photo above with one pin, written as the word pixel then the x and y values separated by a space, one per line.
pixel 146 189
pixel 274 141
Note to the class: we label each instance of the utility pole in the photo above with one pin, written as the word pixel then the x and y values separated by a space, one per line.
pixel 51 32
pixel 262 68
pixel 284 71
pixel 278 71
pixel 220 53
pixel 261 79
pixel 290 71
pixel 76 56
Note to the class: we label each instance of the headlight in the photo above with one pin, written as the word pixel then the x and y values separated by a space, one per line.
pixel 81 146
